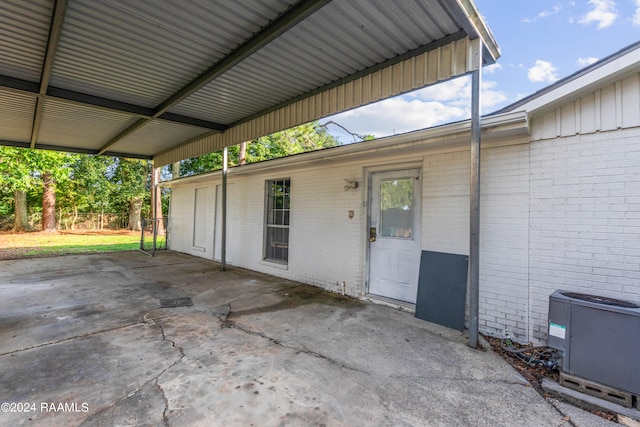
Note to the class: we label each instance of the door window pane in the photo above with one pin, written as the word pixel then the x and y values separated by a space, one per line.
pixel 396 208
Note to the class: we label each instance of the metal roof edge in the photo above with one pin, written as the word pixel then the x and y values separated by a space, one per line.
pixel 478 28
pixel 451 38
pixel 614 64
pixel 315 105
pixel 75 150
pixel 518 119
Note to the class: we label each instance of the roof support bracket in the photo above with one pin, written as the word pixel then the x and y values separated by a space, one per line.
pixel 293 16
pixel 59 12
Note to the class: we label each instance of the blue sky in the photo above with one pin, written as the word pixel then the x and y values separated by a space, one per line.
pixel 540 41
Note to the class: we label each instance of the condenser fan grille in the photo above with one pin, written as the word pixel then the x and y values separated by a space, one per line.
pixel 600 300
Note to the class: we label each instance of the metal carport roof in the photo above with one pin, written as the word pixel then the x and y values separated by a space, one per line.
pixel 168 80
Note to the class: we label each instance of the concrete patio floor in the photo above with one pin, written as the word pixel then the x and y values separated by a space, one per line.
pixel 84 341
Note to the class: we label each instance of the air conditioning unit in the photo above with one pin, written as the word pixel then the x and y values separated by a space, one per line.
pixel 599 336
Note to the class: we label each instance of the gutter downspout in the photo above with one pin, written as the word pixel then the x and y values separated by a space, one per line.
pixel 473 287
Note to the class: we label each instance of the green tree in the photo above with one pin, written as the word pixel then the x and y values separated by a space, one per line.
pixel 307 137
pixel 25 170
pixel 397 194
pixel 89 188
pixel 131 180
pixel 16 178
pixel 53 168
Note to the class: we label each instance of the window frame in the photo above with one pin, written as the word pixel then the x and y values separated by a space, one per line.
pixel 274 214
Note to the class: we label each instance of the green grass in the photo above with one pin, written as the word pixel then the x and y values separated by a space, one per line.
pixel 81 249
pixel 39 244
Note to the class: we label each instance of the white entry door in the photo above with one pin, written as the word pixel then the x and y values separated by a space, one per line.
pixel 394 234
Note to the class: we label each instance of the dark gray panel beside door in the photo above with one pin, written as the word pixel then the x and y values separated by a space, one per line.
pixel 442 289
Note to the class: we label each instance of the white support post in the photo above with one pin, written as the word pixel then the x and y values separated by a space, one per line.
pixel 223 233
pixel 474 227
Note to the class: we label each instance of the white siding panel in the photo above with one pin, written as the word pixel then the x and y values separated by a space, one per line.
pixel 608 108
pixel 588 114
pixel 631 101
pixel 611 107
pixel 568 119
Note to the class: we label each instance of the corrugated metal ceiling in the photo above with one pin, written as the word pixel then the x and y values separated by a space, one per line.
pixel 142 77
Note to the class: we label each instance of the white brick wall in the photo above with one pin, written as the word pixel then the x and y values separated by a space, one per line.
pixel 504 211
pixel 445 200
pixel 585 218
pixel 504 237
pixel 325 246
pixel 560 213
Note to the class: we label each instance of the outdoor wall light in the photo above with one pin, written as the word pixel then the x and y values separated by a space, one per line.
pixel 351 184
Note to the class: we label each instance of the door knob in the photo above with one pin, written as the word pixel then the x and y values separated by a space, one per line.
pixel 372 234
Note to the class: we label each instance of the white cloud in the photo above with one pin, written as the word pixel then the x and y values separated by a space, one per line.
pixel 491 97
pixel 450 91
pixel 583 62
pixel 458 92
pixel 636 16
pixel 603 13
pixel 396 115
pixel 435 105
pixel 556 9
pixel 543 71
pixel 544 14
pixel 490 69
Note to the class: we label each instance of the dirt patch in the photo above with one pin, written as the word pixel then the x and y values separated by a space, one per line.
pixel 535 374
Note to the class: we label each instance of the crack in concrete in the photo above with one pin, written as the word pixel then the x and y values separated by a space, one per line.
pixel 143 320
pixel 565 417
pixel 227 324
pixel 165 416
pixel 88 335
pixel 154 380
